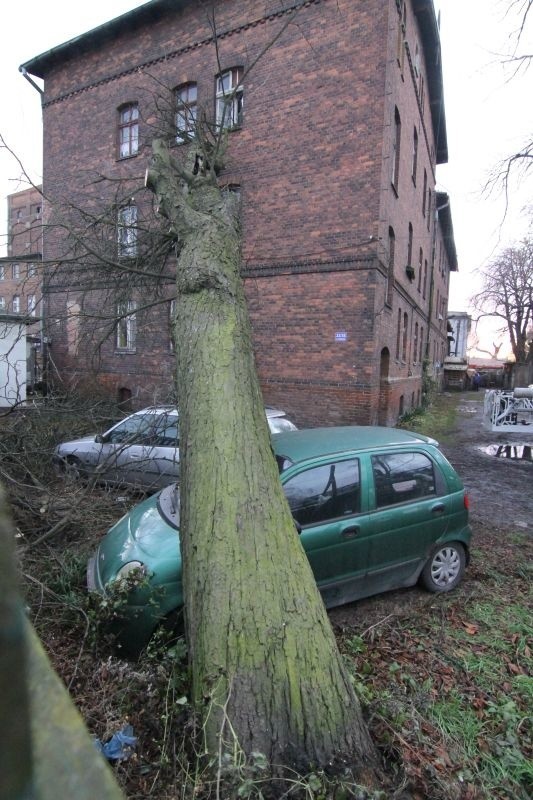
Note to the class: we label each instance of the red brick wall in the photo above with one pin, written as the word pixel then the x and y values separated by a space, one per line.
pixel 313 162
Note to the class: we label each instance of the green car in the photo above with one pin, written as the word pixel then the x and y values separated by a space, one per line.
pixel 375 508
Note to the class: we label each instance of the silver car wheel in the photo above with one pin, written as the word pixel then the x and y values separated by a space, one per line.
pixel 444 568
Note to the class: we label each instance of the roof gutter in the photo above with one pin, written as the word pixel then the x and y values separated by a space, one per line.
pixel 30 80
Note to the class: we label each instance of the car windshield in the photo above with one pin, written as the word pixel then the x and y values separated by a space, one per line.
pixel 280 425
pixel 168 504
pixel 283 463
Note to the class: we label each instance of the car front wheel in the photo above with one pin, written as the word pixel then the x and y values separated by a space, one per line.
pixel 72 468
pixel 444 568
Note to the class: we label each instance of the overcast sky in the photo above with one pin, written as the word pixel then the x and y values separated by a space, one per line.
pixel 489 113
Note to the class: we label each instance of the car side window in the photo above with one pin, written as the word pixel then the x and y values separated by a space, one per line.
pixel 326 492
pixel 166 433
pixel 134 430
pixel 402 477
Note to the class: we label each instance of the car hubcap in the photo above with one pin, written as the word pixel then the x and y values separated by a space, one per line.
pixel 445 567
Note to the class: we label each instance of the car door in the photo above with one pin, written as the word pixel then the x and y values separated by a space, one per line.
pixel 327 501
pixel 409 510
pixel 123 451
pixel 158 465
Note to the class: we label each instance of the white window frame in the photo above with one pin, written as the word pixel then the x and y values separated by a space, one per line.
pixel 127 231
pixel 2 272
pixel 126 325
pixel 229 98
pixel 32 305
pixel 2 303
pixel 32 270
pixel 186 111
pixel 16 304
pixel 15 271
pixel 128 130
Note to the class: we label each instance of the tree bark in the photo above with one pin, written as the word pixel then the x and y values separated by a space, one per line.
pixel 266 672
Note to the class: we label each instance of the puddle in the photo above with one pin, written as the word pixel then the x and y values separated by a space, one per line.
pixel 513 452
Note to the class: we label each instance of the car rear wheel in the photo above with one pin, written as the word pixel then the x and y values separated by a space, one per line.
pixel 444 568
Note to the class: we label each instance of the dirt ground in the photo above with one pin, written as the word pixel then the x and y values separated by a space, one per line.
pixel 500 492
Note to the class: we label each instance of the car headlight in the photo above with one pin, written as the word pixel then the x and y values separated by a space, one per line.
pixel 130 567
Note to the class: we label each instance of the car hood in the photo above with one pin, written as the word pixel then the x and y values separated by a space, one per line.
pixel 77 442
pixel 140 535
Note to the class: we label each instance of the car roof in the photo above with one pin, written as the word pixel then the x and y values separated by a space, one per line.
pixel 270 412
pixel 312 442
pixel 273 412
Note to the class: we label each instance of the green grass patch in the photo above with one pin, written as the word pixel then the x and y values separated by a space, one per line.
pixel 436 420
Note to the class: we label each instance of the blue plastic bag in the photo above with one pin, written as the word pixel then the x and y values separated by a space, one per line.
pixel 120 746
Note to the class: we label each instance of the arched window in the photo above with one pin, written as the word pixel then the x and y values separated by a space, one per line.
pixel 415 155
pixel 390 272
pixel 186 111
pixel 396 139
pixel 404 336
pixel 398 334
pixel 128 130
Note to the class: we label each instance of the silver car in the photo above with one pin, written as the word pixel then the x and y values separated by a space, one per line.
pixel 141 450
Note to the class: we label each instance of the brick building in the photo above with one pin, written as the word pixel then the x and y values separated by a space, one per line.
pixel 336 135
pixel 20 270
pixel 21 275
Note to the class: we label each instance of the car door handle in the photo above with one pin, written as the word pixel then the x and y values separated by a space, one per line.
pixel 350 533
pixel 438 509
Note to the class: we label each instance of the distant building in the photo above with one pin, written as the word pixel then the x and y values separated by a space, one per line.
pixel 21 277
pixel 456 362
pixel 335 139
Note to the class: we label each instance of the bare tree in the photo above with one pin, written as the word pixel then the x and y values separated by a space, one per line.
pixel 507 294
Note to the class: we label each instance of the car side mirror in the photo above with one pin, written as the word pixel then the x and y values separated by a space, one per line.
pixel 99 439
pixel 297 526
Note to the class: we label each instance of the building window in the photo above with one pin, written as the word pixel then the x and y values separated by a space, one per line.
pixel 420 261
pixel 126 325
pixel 402 20
pixel 396 139
pixel 415 156
pixel 429 208
pixel 32 305
pixel 128 130
pixel 410 245
pixel 424 191
pixel 186 111
pixel 16 304
pixel 390 273
pixel 421 356
pixel 398 334
pixel 127 231
pixel 404 336
pixel 32 270
pixel 2 273
pixel 425 286
pixel 2 303
pixel 15 271
pixel 415 344
pixel 229 98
